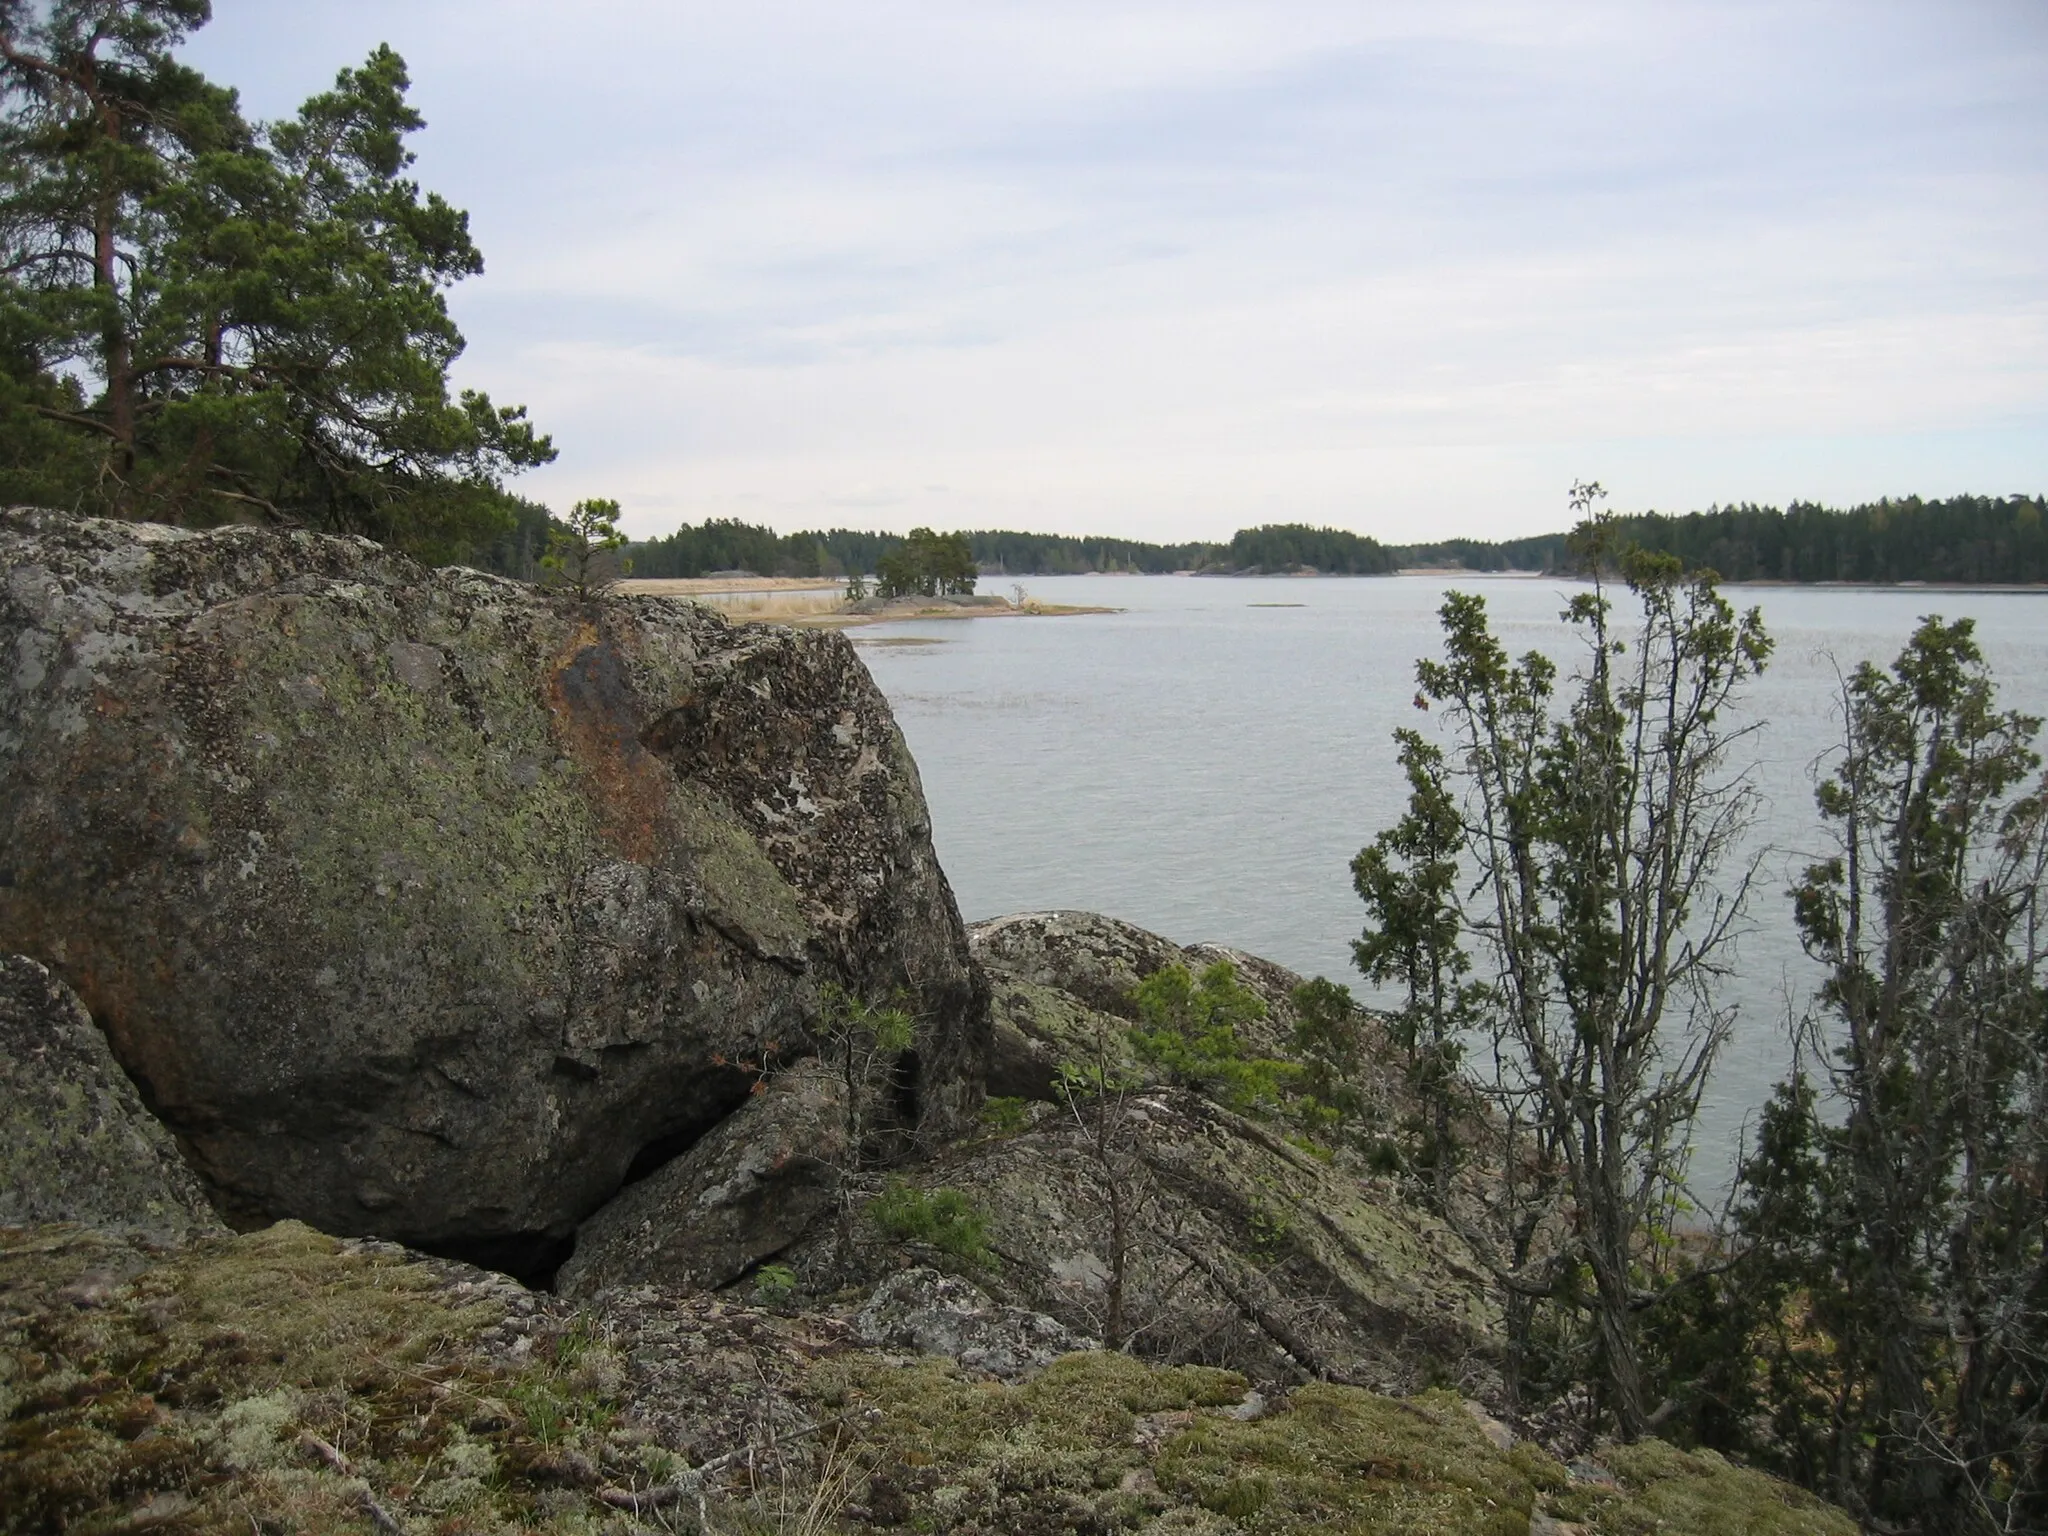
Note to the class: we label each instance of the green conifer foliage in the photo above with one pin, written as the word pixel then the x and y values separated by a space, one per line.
pixel 204 319
pixel 1893 1219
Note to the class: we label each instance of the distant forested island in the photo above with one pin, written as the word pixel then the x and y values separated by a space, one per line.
pixel 1967 539
pixel 726 545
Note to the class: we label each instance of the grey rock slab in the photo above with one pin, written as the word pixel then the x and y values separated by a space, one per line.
pixel 1242 1250
pixel 76 1142
pixel 1060 986
pixel 937 1314
pixel 423 903
pixel 1098 960
pixel 748 1190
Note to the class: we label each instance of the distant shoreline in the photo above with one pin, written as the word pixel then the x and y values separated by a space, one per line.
pixel 817 602
pixel 803 600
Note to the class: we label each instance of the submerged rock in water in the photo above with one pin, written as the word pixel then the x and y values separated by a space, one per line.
pixel 424 903
pixel 76 1143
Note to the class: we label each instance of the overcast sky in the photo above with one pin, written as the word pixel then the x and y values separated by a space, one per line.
pixel 1165 270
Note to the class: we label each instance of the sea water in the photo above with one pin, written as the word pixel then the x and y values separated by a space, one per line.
pixel 1206 762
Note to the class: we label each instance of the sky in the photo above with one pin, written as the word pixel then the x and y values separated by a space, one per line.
pixel 1164 270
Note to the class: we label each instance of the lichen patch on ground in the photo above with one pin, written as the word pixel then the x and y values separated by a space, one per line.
pixel 286 1381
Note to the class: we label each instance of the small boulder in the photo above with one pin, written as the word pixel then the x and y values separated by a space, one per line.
pixel 1060 989
pixel 76 1143
pixel 936 1314
pixel 748 1190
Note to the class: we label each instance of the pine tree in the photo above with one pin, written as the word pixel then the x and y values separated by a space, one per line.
pixel 203 318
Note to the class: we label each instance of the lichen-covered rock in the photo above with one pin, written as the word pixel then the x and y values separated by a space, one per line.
pixel 1242 1249
pixel 1094 959
pixel 936 1314
pixel 76 1143
pixel 748 1190
pixel 1061 984
pixel 423 903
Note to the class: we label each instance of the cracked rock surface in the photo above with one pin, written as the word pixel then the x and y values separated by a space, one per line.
pixel 937 1314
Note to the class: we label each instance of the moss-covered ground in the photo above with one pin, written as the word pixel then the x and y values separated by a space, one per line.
pixel 268 1383
pixel 1103 1444
pixel 285 1381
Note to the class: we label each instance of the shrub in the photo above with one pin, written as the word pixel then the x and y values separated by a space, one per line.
pixel 1006 1116
pixel 1187 1028
pixel 774 1285
pixel 945 1219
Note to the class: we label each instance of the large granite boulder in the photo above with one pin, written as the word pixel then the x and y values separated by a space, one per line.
pixel 426 904
pixel 76 1143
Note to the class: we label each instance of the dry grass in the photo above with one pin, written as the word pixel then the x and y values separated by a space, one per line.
pixel 780 602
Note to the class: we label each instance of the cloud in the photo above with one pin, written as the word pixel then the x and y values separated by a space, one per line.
pixel 1165 269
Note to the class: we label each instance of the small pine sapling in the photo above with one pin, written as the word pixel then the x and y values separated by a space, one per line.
pixel 579 545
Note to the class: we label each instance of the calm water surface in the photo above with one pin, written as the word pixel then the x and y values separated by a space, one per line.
pixel 1205 765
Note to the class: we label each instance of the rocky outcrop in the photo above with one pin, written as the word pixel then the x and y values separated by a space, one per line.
pixel 426 904
pixel 1060 991
pixel 1060 987
pixel 1242 1249
pixel 1095 960
pixel 284 1381
pixel 76 1144
pixel 937 1314
pixel 740 1196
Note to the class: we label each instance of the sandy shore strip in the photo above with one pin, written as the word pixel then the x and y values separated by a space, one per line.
pixel 719 586
pixel 819 602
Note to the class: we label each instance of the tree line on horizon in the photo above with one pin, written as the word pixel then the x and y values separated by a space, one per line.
pixel 725 544
pixel 206 318
pixel 1968 539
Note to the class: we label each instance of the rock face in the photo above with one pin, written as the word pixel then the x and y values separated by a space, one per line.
pixel 424 903
pixel 1095 960
pixel 76 1144
pixel 1060 985
pixel 1242 1250
pixel 739 1197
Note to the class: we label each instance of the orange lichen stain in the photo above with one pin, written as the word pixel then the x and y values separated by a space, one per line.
pixel 597 724
pixel 116 997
